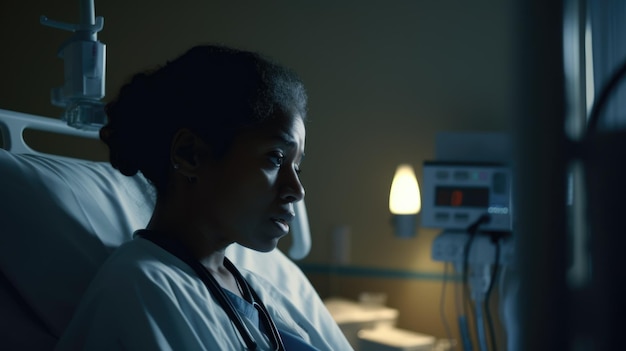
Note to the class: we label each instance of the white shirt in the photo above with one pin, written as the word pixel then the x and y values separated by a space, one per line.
pixel 144 298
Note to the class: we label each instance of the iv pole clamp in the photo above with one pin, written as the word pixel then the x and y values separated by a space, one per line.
pixel 84 70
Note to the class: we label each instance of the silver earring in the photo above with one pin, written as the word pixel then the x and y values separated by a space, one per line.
pixel 176 166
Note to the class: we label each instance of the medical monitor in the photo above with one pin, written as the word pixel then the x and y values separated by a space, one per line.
pixel 456 194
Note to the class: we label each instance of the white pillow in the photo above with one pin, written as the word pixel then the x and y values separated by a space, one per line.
pixel 59 220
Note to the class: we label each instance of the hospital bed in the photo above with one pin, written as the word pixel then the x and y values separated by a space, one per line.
pixel 61 217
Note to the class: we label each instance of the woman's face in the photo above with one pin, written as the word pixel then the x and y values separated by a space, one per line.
pixel 249 194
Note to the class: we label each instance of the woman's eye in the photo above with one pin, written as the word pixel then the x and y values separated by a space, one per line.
pixel 276 158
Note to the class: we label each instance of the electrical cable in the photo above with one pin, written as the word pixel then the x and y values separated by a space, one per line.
pixel 471 230
pixel 467 345
pixel 442 303
pixel 494 276
pixel 460 313
pixel 480 330
pixel 600 102
pixel 465 334
pixel 458 291
pixel 458 298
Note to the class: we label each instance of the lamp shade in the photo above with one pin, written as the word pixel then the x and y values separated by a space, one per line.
pixel 404 197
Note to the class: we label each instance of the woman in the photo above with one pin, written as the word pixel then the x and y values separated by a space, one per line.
pixel 220 134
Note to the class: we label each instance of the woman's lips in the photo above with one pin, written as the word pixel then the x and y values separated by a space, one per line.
pixel 282 224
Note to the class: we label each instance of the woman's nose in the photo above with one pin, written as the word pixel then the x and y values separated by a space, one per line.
pixel 292 189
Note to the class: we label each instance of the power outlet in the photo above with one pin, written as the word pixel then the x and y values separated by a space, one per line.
pixel 449 247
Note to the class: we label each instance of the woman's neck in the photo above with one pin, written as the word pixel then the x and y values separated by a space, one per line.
pixel 204 246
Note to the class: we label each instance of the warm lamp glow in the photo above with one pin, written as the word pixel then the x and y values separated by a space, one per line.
pixel 404 198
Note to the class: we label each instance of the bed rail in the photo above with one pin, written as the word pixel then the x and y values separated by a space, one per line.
pixel 13 124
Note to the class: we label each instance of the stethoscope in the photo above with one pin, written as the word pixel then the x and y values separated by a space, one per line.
pixel 174 247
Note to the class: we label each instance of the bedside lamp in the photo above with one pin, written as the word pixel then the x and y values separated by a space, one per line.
pixel 404 201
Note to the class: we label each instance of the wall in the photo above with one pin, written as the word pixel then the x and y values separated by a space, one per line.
pixel 383 77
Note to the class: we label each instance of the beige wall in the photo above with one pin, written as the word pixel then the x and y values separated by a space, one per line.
pixel 383 77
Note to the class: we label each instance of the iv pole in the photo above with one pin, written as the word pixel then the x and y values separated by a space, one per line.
pixel 84 67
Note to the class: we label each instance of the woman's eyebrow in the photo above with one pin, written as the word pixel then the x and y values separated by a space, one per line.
pixel 285 139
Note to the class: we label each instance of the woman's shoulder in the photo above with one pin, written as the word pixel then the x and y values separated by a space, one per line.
pixel 134 256
pixel 139 261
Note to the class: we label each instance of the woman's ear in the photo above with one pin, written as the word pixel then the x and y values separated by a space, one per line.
pixel 186 153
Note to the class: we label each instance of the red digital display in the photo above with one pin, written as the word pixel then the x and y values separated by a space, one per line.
pixel 456 198
pixel 462 196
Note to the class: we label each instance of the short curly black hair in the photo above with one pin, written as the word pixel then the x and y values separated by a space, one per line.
pixel 212 90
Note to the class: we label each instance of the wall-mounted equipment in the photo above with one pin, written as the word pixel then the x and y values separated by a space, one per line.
pixel 468 193
pixel 456 194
